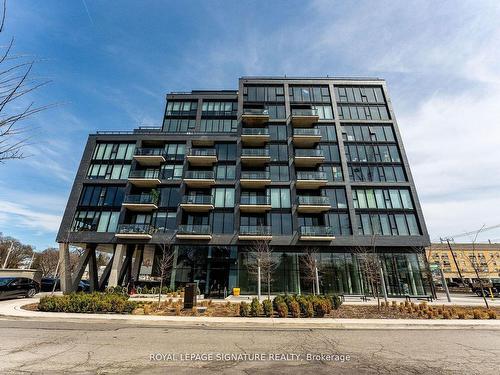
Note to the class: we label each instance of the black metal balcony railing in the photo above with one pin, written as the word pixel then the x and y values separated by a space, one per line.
pixel 313 200
pixel 146 174
pixel 141 199
pixel 254 175
pixel 255 199
pixel 147 151
pixel 311 175
pixel 309 153
pixel 316 231
pixel 255 111
pixel 307 132
pixel 255 230
pixel 194 229
pixel 254 152
pixel 304 112
pixel 199 175
pixel 202 152
pixel 181 113
pixel 197 199
pixel 135 229
pixel 255 131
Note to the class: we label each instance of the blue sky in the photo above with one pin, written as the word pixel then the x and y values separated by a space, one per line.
pixel 112 62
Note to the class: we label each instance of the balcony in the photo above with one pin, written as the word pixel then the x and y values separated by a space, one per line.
pixel 149 157
pixel 140 202
pixel 316 233
pixel 308 157
pixel 313 204
pixel 306 137
pixel 202 156
pixel 254 136
pixel 144 178
pixel 259 203
pixel 194 232
pixel 254 179
pixel 255 156
pixel 135 231
pixel 310 180
pixel 303 118
pixel 197 203
pixel 255 233
pixel 254 116
pixel 199 178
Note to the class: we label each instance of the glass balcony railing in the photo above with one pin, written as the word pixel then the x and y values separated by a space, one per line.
pixel 254 152
pixel 316 231
pixel 194 229
pixel 146 151
pixel 146 174
pixel 254 175
pixel 135 229
pixel 307 132
pixel 199 175
pixel 311 175
pixel 309 153
pixel 197 199
pixel 304 112
pixel 140 199
pixel 255 230
pixel 313 200
pixel 255 131
pixel 202 152
pixel 255 111
pixel 255 200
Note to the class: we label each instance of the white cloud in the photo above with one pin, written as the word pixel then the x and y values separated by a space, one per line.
pixel 20 215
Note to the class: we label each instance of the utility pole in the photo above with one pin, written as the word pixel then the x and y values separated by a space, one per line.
pixel 455 261
pixel 258 279
pixel 316 275
pixel 8 255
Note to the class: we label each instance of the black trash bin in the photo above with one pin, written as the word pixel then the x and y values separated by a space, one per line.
pixel 190 295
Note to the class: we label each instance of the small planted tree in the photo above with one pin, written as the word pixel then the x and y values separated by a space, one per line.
pixel 311 268
pixel 166 263
pixel 370 268
pixel 261 264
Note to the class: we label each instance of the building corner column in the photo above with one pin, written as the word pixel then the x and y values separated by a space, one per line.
pixel 117 265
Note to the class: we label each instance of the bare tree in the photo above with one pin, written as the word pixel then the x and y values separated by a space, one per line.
pixel 310 264
pixel 15 84
pixel 261 256
pixel 370 267
pixel 19 252
pixel 46 261
pixel 478 263
pixel 166 263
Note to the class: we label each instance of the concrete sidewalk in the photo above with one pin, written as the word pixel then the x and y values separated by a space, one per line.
pixel 12 308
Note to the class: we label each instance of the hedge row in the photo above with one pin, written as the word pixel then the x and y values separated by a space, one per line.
pixel 295 305
pixel 88 303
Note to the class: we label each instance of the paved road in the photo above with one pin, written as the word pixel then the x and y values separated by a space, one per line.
pixel 30 346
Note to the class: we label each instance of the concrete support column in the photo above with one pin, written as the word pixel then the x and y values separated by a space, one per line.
pixel 64 268
pixel 136 265
pixel 120 251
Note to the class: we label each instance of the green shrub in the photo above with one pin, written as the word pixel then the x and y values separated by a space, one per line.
pixel 244 309
pixel 309 310
pixel 295 309
pixel 255 307
pixel 337 302
pixel 267 306
pixel 88 303
pixel 277 300
pixel 282 309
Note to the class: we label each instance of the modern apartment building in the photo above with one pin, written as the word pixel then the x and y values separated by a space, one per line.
pixel 306 164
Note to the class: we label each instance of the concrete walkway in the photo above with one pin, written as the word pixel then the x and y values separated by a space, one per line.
pixel 12 308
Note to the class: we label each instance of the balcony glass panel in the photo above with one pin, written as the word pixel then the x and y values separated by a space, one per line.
pixel 311 175
pixel 309 153
pixel 149 151
pixel 304 112
pixel 314 200
pixel 151 174
pixel 197 199
pixel 254 152
pixel 141 199
pixel 316 231
pixel 254 175
pixel 202 175
pixel 202 152
pixel 135 229
pixel 255 199
pixel 255 131
pixel 194 229
pixel 256 230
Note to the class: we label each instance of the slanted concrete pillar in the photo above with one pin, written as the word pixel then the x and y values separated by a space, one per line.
pixel 136 265
pixel 120 251
pixel 65 268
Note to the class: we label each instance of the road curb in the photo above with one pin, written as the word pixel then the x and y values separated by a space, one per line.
pixel 13 309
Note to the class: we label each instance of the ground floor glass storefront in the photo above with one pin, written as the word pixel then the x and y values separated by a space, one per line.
pixel 218 269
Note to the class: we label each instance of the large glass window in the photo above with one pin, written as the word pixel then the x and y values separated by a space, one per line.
pixel 278 152
pixel 165 220
pixel 223 222
pixel 171 171
pixel 324 111
pixel 281 223
pixel 276 111
pixel 278 132
pixel 178 125
pixel 337 197
pixel 366 112
pixel 225 172
pixel 309 94
pixel 181 108
pixel 328 132
pixel 368 133
pixel 210 108
pixel 170 197
pixel 113 151
pixel 333 172
pixel 226 151
pixel 280 197
pixel 331 152
pixel 218 125
pixel 175 151
pixel 263 94
pixel 224 197
pixel 387 224
pixel 109 171
pixel 367 94
pixel 339 222
pixel 382 199
pixel 101 196
pixel 95 221
pixel 279 173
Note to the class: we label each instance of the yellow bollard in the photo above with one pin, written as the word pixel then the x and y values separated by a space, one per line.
pixel 236 292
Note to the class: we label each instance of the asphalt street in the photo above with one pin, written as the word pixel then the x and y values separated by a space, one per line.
pixel 41 346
